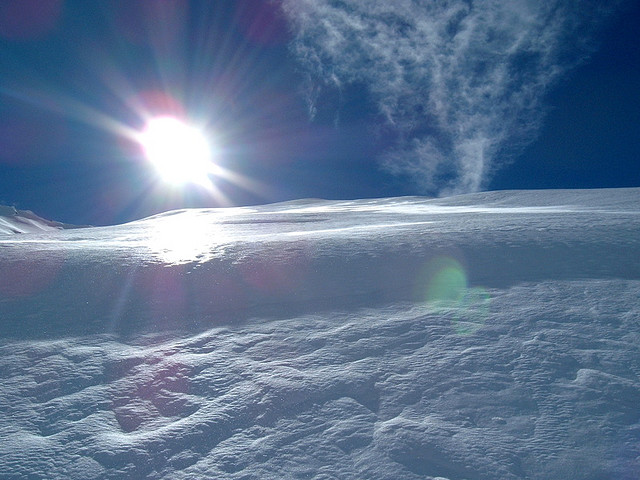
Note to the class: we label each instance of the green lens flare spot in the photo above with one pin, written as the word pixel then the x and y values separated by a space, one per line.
pixel 444 285
pixel 446 280
pixel 448 284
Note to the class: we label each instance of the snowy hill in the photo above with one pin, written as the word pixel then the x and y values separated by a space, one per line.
pixel 492 335
pixel 25 221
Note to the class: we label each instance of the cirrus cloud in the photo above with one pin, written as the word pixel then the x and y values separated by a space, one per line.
pixel 459 82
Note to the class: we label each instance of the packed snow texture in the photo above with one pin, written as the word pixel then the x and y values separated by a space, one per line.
pixel 484 336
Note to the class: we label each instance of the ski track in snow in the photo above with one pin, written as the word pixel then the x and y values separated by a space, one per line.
pixel 296 341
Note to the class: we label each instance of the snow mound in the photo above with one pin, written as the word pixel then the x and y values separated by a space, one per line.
pixel 487 336
pixel 208 267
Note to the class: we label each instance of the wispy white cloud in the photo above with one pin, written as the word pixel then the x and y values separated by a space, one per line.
pixel 460 82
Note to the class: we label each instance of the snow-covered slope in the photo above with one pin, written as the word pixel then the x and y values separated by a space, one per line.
pixel 25 221
pixel 493 335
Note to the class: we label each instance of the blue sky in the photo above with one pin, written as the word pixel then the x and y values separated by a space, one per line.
pixel 315 98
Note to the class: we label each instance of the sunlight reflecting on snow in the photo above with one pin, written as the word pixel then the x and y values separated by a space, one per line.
pixel 185 238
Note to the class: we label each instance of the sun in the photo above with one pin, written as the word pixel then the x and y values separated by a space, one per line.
pixel 180 152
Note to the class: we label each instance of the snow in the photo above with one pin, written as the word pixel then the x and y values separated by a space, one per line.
pixel 492 335
pixel 24 221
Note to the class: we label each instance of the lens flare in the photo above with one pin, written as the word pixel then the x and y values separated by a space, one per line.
pixel 29 19
pixel 447 282
pixel 444 285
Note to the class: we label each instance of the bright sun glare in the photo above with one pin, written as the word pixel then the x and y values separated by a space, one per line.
pixel 180 152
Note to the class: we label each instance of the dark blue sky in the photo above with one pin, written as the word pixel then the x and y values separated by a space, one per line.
pixel 591 133
pixel 304 112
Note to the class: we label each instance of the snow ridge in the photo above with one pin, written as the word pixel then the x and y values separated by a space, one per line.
pixel 14 221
